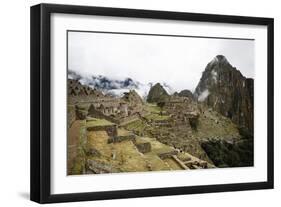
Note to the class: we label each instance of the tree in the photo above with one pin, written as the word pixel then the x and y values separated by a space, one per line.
pixel 161 104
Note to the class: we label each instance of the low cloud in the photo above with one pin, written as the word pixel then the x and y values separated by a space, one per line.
pixel 176 61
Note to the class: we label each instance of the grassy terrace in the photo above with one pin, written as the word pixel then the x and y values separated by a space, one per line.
pixel 153 108
pixel 157 117
pixel 154 112
pixel 156 146
pixel 98 122
pixel 137 125
pixel 154 115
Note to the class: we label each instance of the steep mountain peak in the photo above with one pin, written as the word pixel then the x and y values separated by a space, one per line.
pixel 219 60
pixel 157 93
pixel 216 72
pixel 157 85
pixel 223 88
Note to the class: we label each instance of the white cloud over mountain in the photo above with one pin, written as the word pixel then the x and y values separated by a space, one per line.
pixel 115 87
pixel 177 61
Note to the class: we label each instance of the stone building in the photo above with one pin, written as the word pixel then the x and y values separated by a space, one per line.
pixel 112 107
pixel 183 111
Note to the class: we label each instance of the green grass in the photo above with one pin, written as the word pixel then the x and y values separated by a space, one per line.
pixel 157 117
pixel 153 108
pixel 155 112
pixel 137 125
pixel 98 122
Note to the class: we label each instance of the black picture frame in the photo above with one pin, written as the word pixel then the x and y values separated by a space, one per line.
pixel 41 102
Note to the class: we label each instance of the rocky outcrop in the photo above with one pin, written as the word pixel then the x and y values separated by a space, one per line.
pixel 156 94
pixel 225 153
pixel 223 88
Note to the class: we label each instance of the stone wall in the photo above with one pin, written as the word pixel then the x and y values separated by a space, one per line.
pixel 92 112
pixel 76 142
pixel 71 117
pixel 81 112
pixel 128 118
pixel 166 155
pixel 144 147
pixel 115 139
pixel 110 129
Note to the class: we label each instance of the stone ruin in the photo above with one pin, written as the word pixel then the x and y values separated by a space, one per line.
pixel 109 108
pixel 81 112
pixel 120 138
pixel 99 105
pixel 75 88
pixel 144 147
pixel 111 129
pixel 183 111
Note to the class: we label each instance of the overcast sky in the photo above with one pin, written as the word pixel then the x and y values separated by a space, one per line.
pixel 178 61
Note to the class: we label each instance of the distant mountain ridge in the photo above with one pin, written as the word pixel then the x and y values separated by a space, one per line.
pixel 115 87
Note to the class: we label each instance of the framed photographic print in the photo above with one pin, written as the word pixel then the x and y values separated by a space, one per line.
pixel 132 103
